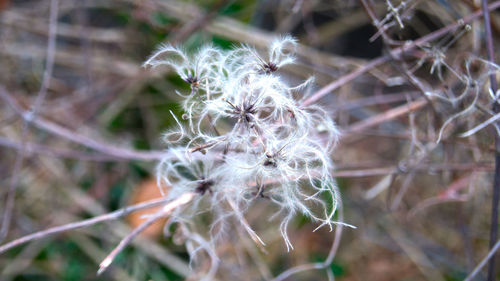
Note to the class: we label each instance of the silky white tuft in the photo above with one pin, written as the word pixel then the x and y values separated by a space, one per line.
pixel 247 138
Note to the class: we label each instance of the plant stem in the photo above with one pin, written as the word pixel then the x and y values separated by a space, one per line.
pixel 21 154
pixel 181 200
pixel 395 53
pixel 496 181
pixel 84 223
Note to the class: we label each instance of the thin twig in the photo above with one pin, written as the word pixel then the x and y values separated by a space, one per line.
pixel 496 182
pixel 84 223
pixel 394 53
pixel 192 26
pixel 33 148
pixel 385 116
pixel 256 239
pixel 425 167
pixel 331 254
pixel 373 100
pixel 100 146
pixel 488 257
pixel 47 75
pixel 181 200
pixel 345 79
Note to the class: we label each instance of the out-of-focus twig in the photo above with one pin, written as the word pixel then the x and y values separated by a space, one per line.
pixel 36 25
pixel 395 53
pixel 373 100
pixel 415 253
pixel 181 200
pixel 83 140
pixel 449 195
pixel 483 262
pixel 237 31
pixel 31 115
pixel 368 172
pixel 194 25
pixel 387 115
pixel 345 79
pixel 329 259
pixel 33 148
pixel 85 223
pixel 496 182
pixel 102 63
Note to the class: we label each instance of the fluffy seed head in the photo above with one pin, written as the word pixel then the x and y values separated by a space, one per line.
pixel 247 138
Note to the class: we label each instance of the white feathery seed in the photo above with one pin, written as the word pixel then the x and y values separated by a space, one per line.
pixel 247 138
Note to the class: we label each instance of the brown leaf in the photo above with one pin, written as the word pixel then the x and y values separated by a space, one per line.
pixel 145 191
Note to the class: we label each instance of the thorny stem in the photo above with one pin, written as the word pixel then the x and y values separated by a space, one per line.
pixel 496 181
pixel 51 46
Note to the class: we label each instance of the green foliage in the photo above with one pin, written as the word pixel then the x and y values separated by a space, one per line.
pixel 222 43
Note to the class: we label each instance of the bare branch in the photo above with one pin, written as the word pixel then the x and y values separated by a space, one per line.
pixel 85 223
pixel 47 75
pixel 181 200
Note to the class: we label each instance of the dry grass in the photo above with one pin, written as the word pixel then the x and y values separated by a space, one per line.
pixel 79 133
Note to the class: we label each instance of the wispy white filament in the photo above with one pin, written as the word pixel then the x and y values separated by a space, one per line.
pixel 253 140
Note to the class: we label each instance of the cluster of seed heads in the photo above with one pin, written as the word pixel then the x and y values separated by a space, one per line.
pixel 245 137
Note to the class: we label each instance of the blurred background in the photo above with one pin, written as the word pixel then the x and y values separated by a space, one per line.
pixel 81 124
